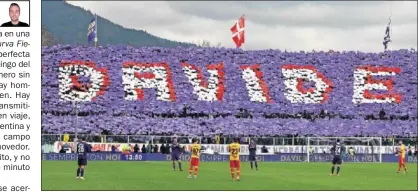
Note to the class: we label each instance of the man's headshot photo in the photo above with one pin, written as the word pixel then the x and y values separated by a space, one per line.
pixel 14 14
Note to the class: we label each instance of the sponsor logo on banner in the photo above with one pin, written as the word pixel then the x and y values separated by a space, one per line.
pixel 284 157
pixel 223 148
pixel 74 156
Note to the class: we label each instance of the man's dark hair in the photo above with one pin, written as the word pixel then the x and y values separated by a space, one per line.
pixel 82 138
pixel 338 140
pixel 194 140
pixel 236 140
pixel 14 4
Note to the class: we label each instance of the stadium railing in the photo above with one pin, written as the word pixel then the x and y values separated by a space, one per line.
pixel 370 148
pixel 263 140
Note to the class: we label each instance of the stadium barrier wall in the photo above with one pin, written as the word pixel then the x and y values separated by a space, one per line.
pixel 223 148
pixel 284 157
pixel 223 139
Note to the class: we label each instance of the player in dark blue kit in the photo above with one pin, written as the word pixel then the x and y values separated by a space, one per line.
pixel 175 154
pixel 82 149
pixel 338 149
pixel 253 148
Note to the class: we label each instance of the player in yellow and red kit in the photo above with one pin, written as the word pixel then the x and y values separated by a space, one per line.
pixel 234 162
pixel 195 158
pixel 402 151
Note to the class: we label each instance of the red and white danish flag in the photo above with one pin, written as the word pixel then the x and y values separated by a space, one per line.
pixel 238 32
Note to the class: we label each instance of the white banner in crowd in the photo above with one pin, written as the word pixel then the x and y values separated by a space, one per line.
pixel 223 148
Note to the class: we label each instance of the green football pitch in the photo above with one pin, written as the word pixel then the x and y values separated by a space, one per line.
pixel 61 175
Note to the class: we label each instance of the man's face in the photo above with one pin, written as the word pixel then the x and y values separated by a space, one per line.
pixel 14 13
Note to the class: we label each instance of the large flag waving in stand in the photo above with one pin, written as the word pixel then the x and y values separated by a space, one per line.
pixel 92 31
pixel 238 32
pixel 387 39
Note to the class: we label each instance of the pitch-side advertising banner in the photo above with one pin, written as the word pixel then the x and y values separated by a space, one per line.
pixel 223 148
pixel 284 157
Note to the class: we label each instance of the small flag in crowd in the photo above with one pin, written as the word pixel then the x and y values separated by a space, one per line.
pixel 238 32
pixel 92 31
pixel 386 39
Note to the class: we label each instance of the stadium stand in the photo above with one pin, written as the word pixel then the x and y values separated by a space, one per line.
pixel 109 99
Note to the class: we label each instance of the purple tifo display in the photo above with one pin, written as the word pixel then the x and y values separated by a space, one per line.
pixel 202 91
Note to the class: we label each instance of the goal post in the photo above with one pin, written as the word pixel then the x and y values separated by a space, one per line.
pixel 358 149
